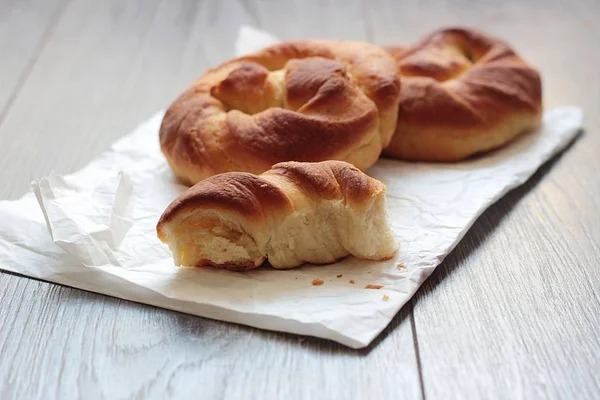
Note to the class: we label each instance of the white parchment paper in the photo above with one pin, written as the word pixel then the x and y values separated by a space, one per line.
pixel 95 230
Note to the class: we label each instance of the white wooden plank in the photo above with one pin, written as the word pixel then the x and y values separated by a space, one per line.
pixel 66 343
pixel 300 19
pixel 24 26
pixel 514 311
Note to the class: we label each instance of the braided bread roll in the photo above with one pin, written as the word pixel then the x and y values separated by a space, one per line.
pixel 292 214
pixel 462 93
pixel 311 100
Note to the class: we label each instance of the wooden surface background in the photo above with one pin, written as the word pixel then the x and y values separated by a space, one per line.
pixel 513 312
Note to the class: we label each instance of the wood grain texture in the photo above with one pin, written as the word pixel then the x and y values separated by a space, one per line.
pixel 105 67
pixel 334 19
pixel 24 27
pixel 64 343
pixel 514 312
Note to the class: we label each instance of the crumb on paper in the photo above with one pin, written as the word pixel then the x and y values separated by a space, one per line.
pixel 371 286
pixel 385 297
pixel 339 275
pixel 400 266
pixel 318 282
pixel 352 281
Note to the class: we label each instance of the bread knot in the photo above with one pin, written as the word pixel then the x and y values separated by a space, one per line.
pixel 308 100
pixel 462 93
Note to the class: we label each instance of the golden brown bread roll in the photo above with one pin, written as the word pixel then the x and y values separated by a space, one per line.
pixel 292 214
pixel 462 93
pixel 310 100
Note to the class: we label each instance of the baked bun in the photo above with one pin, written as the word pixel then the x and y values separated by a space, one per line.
pixel 292 214
pixel 462 93
pixel 310 100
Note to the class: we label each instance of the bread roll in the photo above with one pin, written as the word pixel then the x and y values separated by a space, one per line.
pixel 462 93
pixel 292 214
pixel 310 100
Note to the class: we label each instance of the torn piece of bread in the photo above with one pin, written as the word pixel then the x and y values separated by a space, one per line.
pixel 294 213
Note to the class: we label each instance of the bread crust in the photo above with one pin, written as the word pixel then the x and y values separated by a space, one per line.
pixel 308 100
pixel 252 196
pixel 462 93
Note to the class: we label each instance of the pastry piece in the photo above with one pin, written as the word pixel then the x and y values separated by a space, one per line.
pixel 462 93
pixel 310 100
pixel 292 214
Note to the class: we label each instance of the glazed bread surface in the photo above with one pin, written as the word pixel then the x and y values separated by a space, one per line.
pixel 294 213
pixel 462 93
pixel 310 100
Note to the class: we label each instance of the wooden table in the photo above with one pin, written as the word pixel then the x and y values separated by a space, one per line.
pixel 513 312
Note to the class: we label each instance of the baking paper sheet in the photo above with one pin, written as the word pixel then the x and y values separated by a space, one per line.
pixel 95 230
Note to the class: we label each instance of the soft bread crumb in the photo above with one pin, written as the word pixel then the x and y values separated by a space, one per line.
pixel 339 275
pixel 352 281
pixel 400 266
pixel 234 239
pixel 385 297
pixel 371 286
pixel 318 282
